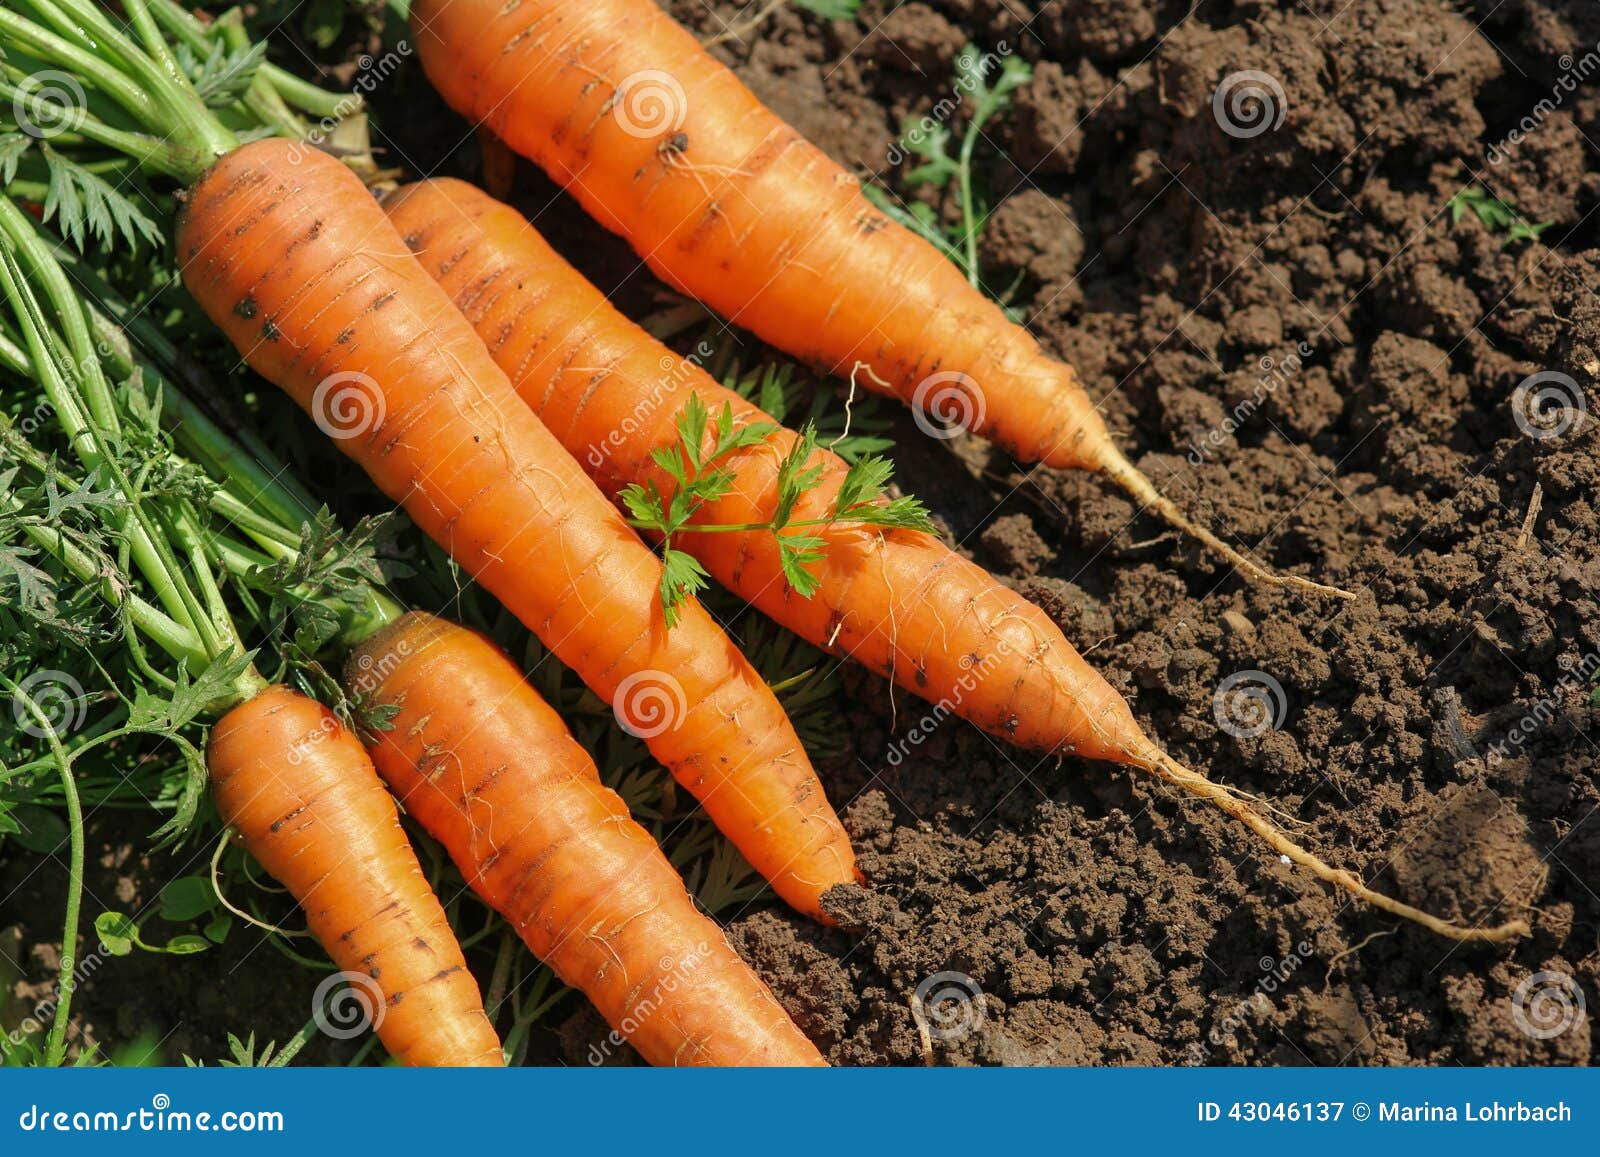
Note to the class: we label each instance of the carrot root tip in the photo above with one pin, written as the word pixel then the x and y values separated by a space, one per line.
pixel 1163 766
pixel 1139 487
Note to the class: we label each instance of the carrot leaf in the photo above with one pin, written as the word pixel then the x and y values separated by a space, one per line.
pixel 987 81
pixel 698 480
pixel 85 207
pixel 1496 214
pixel 830 9
pixel 797 552
pixel 221 77
pixel 796 475
pixel 12 147
pixel 682 578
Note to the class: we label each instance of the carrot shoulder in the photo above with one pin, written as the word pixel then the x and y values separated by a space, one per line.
pixel 304 798
pixel 291 257
pixel 491 771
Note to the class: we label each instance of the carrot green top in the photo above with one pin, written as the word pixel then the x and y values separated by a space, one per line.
pixel 91 76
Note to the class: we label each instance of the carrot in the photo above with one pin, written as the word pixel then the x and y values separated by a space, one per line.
pixel 291 257
pixel 285 250
pixel 664 145
pixel 299 789
pixel 304 799
pixel 303 796
pixel 898 601
pixel 492 772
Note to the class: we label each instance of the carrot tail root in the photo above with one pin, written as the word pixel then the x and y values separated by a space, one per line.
pixel 1139 487
pixel 1165 767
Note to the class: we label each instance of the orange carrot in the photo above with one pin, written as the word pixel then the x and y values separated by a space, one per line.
pixel 306 803
pixel 664 145
pixel 898 601
pixel 491 771
pixel 290 256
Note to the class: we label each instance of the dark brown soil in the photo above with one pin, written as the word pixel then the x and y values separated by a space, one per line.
pixel 1293 336
pixel 1103 920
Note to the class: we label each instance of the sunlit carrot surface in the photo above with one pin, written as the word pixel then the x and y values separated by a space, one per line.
pixel 492 772
pixel 305 801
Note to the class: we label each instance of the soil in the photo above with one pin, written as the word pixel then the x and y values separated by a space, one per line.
pixel 1295 336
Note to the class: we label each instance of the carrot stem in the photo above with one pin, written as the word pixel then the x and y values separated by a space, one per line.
pixel 104 75
pixel 150 89
pixel 56 1043
pixel 146 151
pixel 65 361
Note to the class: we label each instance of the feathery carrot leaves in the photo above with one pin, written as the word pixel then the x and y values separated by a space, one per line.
pixel 989 82
pixel 697 481
pixel 222 76
pixel 696 465
pixel 81 203
pixel 1495 214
